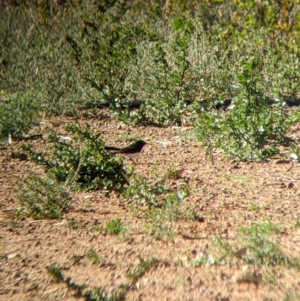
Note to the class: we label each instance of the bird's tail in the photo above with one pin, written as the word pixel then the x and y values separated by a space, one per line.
pixel 111 148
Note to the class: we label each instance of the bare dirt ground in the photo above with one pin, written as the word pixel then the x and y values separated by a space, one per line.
pixel 223 193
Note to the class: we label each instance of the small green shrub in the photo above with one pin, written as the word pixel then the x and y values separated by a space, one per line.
pixel 160 207
pixel 98 294
pixel 257 245
pixel 113 226
pixel 93 256
pixel 153 195
pixel 81 162
pixel 56 273
pixel 163 76
pixel 42 198
pixel 262 248
pixel 18 114
pixel 252 129
pixel 141 193
pixel 256 207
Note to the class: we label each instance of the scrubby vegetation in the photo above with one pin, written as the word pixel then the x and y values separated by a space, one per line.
pixel 58 56
pixel 225 67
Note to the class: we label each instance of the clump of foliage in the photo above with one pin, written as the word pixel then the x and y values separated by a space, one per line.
pixel 256 245
pixel 99 294
pixel 69 53
pixel 159 206
pixel 18 114
pixel 163 75
pixel 93 256
pixel 252 129
pixel 114 227
pixel 81 161
pixel 143 193
pixel 42 198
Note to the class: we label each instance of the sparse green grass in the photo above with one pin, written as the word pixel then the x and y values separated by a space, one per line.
pixel 157 205
pixel 112 227
pixel 291 296
pixel 262 247
pixel 15 225
pixel 55 272
pixel 256 207
pixel 74 224
pixel 143 267
pixel 200 260
pixel 237 178
pixel 43 198
pixel 297 222
pixel 266 228
pixel 115 227
pixel 256 246
pixel 93 256
pixel 173 172
pixel 129 138
pixel 98 294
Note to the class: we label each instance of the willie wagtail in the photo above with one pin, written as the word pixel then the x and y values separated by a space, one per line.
pixel 130 151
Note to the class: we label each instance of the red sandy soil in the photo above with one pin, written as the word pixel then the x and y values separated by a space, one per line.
pixel 223 194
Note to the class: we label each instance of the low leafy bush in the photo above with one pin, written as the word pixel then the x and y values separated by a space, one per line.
pixel 256 245
pixel 252 129
pixel 114 226
pixel 65 55
pixel 98 294
pixel 160 207
pixel 18 114
pixel 93 256
pixel 163 75
pixel 81 162
pixel 42 198
pixel 142 193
